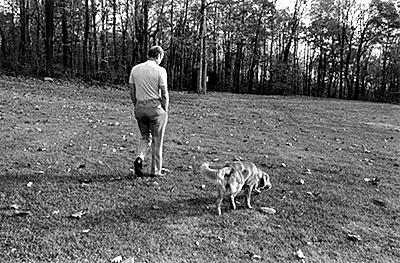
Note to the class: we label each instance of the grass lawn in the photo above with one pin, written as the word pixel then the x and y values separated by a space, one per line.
pixel 67 148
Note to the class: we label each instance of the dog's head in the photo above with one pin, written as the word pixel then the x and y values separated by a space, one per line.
pixel 265 182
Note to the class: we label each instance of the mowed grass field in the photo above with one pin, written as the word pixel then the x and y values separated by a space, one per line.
pixel 68 148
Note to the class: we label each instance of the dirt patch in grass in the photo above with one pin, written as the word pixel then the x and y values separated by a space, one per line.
pixel 67 148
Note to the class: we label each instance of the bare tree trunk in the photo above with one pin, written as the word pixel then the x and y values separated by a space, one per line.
pixel 341 54
pixel 171 58
pixel 3 47
pixel 115 61
pixel 94 28
pixel 24 29
pixel 255 58
pixel 145 34
pixel 201 88
pixel 347 67
pixel 358 63
pixel 124 25
pixel 183 48
pixel 64 38
pixel 319 74
pixel 238 66
pixel 295 23
pixel 85 40
pixel 135 40
pixel 49 17
pixel 383 84
pixel 228 63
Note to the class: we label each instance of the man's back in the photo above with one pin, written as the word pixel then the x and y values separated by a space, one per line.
pixel 148 78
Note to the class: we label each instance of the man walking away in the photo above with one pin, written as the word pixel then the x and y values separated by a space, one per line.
pixel 149 94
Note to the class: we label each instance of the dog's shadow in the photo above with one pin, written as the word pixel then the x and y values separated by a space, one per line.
pixel 154 211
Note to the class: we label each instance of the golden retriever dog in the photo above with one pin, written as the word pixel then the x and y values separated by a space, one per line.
pixel 233 177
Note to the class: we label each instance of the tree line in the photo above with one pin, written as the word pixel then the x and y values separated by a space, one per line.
pixel 327 48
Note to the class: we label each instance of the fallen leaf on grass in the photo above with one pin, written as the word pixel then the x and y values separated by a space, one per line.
pixel 373 181
pixel 30 184
pixel 85 231
pixel 129 260
pixel 179 142
pixel 315 194
pixel 116 259
pixel 119 260
pixel 378 202
pixel 353 237
pixel 156 207
pixel 22 213
pixel 253 256
pixel 85 181
pixel 299 254
pixel 283 165
pixel 268 210
pixel 165 170
pixel 78 214
pixel 15 206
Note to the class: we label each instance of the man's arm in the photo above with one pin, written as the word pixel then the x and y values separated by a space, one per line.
pixel 132 89
pixel 164 98
pixel 164 90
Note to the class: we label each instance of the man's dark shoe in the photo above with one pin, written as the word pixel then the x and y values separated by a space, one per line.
pixel 138 164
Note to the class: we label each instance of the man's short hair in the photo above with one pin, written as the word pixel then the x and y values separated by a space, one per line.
pixel 154 51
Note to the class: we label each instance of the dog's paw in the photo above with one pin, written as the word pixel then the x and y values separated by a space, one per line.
pixel 219 212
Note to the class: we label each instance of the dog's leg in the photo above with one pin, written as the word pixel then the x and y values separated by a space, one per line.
pixel 235 189
pixel 248 197
pixel 220 198
pixel 233 204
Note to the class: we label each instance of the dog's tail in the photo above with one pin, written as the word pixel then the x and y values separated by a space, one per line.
pixel 214 174
pixel 205 170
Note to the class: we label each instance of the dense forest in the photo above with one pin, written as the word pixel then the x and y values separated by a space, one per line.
pixel 328 48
